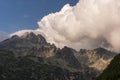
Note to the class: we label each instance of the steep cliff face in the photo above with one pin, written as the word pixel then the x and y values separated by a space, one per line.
pixel 67 55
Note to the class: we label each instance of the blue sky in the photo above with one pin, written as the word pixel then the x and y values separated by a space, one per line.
pixel 24 14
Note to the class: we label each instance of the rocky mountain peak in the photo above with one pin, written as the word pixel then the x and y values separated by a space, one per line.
pixel 31 37
pixel 104 53
pixel 28 44
pixel 67 54
pixel 15 36
pixel 100 49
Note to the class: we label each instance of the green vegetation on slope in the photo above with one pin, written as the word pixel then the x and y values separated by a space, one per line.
pixel 112 72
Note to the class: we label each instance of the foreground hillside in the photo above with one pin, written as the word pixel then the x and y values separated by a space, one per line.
pixel 112 72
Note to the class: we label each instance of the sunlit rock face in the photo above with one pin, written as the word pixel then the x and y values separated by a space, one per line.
pixel 97 58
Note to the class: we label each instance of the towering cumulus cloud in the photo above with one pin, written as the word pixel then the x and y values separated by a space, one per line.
pixel 88 24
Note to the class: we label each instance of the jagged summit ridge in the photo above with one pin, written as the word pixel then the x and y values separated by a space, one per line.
pixel 36 38
pixel 28 44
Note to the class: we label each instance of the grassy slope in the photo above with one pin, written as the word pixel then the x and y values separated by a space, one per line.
pixel 112 72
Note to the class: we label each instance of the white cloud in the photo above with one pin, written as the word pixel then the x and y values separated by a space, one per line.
pixel 88 24
pixel 22 32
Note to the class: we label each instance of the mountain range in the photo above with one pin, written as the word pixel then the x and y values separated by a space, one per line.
pixel 33 49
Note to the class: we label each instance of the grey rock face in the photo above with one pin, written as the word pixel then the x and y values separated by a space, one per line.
pixel 67 55
pixel 29 44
